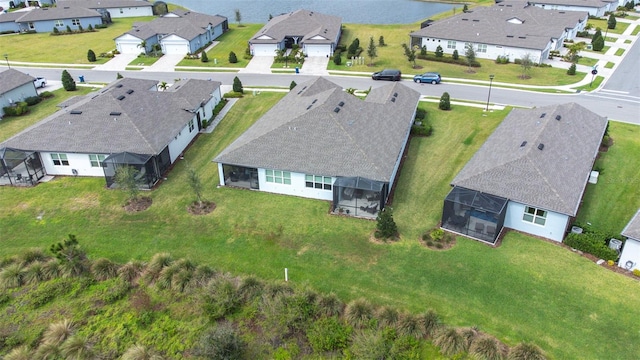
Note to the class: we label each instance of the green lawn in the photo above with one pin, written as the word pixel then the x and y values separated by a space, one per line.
pixel 525 290
pixel 635 31
pixel 619 52
pixel 602 24
pixel 628 41
pixel 392 56
pixel 236 40
pixel 587 61
pixel 609 65
pixel 596 81
pixel 144 60
pixel 66 49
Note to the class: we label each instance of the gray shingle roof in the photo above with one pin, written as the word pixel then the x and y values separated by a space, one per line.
pixel 510 163
pixel 12 78
pixel 304 23
pixel 147 122
pixel 303 133
pixel 577 3
pixel 491 25
pixel 632 230
pixel 187 25
pixel 57 13
pixel 10 17
pixel 104 4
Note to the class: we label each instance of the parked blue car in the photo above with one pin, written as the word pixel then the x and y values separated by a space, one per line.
pixel 429 77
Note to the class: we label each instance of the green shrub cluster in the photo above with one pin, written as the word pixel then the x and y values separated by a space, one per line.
pixel 592 243
pixel 20 108
pixel 502 59
pixel 449 60
pixel 420 126
pixel 32 100
pixel 48 291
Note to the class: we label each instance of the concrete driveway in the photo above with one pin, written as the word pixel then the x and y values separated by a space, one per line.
pixel 315 65
pixel 259 65
pixel 165 63
pixel 118 63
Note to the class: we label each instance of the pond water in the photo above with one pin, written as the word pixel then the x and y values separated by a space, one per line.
pixel 351 11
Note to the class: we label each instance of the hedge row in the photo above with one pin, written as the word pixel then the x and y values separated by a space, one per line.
pixel 592 243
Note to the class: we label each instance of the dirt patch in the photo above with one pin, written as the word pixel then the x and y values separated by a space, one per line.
pixel 140 203
pixel 375 240
pixel 201 208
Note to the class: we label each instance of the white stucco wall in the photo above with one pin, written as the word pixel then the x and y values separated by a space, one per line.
pixel 493 51
pixel 593 11
pixel 297 187
pixel 180 142
pixel 79 162
pixel 130 11
pixel 553 229
pixel 18 94
pixel 630 252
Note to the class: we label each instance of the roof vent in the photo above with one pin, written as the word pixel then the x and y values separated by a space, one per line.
pixel 475 20
pixel 130 91
pixel 309 107
pixel 465 19
pixel 395 94
pixel 522 37
pixel 509 36
pixel 314 101
pixel 393 99
pixel 115 113
pixel 341 103
pixel 121 97
pixel 540 146
pixel 543 115
pixel 336 110
pixel 558 117
pixel 76 112
pixel 523 143
pixel 119 85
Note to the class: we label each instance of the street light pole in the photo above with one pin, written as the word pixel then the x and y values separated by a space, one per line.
pixel 6 57
pixel 489 96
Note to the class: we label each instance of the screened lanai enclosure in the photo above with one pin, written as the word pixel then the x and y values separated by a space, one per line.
pixel 19 167
pixel 244 177
pixel 474 214
pixel 148 168
pixel 357 196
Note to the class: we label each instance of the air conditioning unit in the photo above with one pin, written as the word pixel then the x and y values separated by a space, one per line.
pixel 616 245
pixel 589 47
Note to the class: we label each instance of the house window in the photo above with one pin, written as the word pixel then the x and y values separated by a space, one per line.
pixel 533 215
pixel 191 125
pixel 60 159
pixel 75 22
pixel 318 182
pixel 32 26
pixel 59 23
pixel 278 177
pixel 121 11
pixel 451 44
pixel 482 48
pixel 97 160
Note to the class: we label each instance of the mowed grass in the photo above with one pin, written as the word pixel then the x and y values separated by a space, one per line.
pixel 525 290
pixel 602 24
pixel 66 49
pixel 236 40
pixel 392 56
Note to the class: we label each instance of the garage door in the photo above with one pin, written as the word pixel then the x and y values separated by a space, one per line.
pixel 318 50
pixel 264 49
pixel 176 48
pixel 129 48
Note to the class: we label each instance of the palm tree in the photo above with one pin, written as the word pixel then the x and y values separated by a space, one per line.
pixel 163 86
pixel 143 46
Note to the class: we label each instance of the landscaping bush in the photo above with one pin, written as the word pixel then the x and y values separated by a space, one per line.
pixel 233 94
pixel 584 34
pixel 455 55
pixel 502 59
pixel 593 243
pixel 572 69
pixel 328 334
pixel 337 58
pixel 448 60
pixel 221 342
pixel 439 52
pixel 32 100
pixel 386 227
pixel 67 81
pixel 445 102
pixel 203 57
pixel 237 85
pixel 636 272
pixel 354 48
pixel 233 58
pixel 91 56
pixel 16 110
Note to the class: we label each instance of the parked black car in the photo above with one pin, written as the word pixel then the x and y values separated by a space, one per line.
pixel 387 74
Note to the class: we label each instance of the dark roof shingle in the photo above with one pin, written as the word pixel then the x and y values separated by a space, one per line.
pixel 12 78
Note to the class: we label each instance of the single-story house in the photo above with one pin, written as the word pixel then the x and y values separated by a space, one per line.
pixel 115 8
pixel 46 19
pixel 321 142
pixel 8 22
pixel 530 174
pixel 593 7
pixel 511 29
pixel 178 32
pixel 130 123
pixel 317 34
pixel 15 86
pixel 630 256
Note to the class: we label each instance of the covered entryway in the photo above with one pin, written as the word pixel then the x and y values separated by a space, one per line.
pixel 474 214
pixel 264 49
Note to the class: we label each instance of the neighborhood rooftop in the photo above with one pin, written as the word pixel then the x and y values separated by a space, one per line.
pixel 541 157
pixel 311 26
pixel 632 230
pixel 185 24
pixel 318 128
pixel 104 4
pixel 504 24
pixel 11 79
pixel 52 13
pixel 129 115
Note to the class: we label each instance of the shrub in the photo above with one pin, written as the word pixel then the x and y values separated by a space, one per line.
pixel 69 29
pixel 369 345
pixel 203 57
pixel 354 48
pixel 597 43
pixel 90 27
pixel 445 102
pixel 387 316
pixel 502 59
pixel 237 85
pixel 526 351
pixel 572 69
pixel 328 334
pixel 233 58
pixel 337 57
pixel 431 322
pixel 292 85
pixel 231 95
pixel 221 299
pixel 32 100
pixel 359 313
pixel 137 352
pixel 592 243
pixel 420 113
pixel 487 348
pixel 18 109
pixel 422 129
pixel 611 23
pixel 91 56
pixel 410 325
pixel 46 94
pixel 67 81
pixel 56 31
pixel 450 342
pixel 381 41
pixel 386 227
pixel 12 276
pixel 636 272
pixel 437 234
pixel 329 305
pixel 103 269
pixel 439 53
pixel 455 55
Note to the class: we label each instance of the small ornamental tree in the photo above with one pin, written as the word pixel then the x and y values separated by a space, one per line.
pixel 55 30
pixel 445 102
pixel 80 28
pixel 125 178
pixel 465 8
pixel 598 43
pixel 455 55
pixel 423 50
pixel 90 27
pixel 238 16
pixel 91 56
pixel 572 69
pixel 470 54
pixel 525 64
pixel 203 57
pixel 386 227
pixel 67 81
pixel 410 54
pixel 439 52
pixel 337 58
pixel 353 48
pixel 237 85
pixel 292 85
pixel 611 23
pixel 371 50
pixel 381 41
pixel 196 185
pixel 233 58
pixel 69 29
